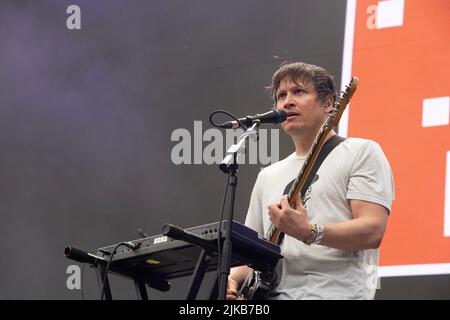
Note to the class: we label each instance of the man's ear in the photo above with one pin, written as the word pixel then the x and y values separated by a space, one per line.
pixel 328 104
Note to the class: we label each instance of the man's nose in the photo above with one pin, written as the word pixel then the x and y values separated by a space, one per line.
pixel 288 102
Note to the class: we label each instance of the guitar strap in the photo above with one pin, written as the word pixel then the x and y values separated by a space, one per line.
pixel 327 147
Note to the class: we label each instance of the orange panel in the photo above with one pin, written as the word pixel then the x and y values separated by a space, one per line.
pixel 398 68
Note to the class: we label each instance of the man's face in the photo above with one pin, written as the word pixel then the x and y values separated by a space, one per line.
pixel 306 111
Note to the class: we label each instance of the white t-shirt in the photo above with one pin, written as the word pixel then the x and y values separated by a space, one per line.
pixel 355 169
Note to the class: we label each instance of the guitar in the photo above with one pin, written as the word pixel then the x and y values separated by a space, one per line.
pixel 257 285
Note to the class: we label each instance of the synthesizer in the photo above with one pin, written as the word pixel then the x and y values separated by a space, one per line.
pixel 167 258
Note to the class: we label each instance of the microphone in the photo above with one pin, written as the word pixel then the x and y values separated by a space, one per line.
pixel 273 116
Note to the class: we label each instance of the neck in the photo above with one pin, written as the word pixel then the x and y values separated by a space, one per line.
pixel 304 142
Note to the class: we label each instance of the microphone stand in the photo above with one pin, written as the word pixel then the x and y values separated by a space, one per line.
pixel 229 165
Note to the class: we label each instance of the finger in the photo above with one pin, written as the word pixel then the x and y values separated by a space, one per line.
pixel 233 292
pixel 299 204
pixel 274 210
pixel 285 202
pixel 231 295
pixel 273 206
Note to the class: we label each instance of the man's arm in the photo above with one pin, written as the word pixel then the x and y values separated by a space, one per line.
pixel 364 231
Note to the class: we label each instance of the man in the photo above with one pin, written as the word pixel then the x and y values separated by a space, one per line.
pixel 348 202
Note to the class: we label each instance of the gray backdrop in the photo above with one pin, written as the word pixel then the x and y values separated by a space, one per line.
pixel 86 118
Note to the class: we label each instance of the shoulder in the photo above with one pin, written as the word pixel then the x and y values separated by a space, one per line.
pixel 356 154
pixel 359 147
pixel 360 143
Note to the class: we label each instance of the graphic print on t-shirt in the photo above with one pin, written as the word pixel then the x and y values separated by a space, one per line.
pixel 307 194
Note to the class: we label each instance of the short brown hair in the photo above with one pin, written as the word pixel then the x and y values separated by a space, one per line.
pixel 299 71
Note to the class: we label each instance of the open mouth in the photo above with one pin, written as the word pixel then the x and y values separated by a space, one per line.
pixel 292 114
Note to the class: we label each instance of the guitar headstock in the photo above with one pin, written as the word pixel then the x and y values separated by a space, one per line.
pixel 350 88
pixel 343 100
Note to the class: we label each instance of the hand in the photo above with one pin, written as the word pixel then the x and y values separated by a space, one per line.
pixel 293 222
pixel 232 287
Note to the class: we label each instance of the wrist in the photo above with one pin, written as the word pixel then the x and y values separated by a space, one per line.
pixel 314 235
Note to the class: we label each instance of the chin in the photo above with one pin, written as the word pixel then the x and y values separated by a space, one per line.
pixel 291 124
pixel 291 128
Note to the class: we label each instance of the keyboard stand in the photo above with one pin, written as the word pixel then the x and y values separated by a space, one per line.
pixel 140 285
pixel 141 289
pixel 199 274
pixel 100 268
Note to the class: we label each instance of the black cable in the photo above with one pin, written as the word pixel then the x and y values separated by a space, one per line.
pixel 126 244
pixel 107 269
pixel 228 114
pixel 219 266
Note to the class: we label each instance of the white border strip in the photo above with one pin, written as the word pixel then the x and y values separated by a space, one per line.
pixel 414 270
pixel 347 59
pixel 447 198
